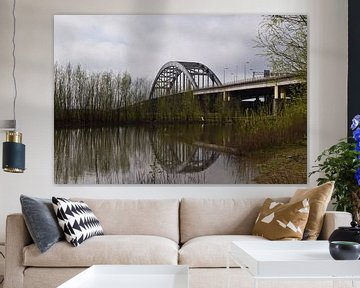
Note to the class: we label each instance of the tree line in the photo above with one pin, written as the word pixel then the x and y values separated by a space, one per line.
pixel 103 98
pixel 95 97
pixel 89 99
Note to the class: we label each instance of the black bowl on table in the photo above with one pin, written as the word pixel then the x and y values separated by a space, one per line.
pixel 344 250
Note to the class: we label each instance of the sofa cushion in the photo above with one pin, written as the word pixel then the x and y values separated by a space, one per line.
pixel 200 217
pixel 211 251
pixel 41 221
pixel 319 198
pixel 107 249
pixel 158 217
pixel 77 220
pixel 35 277
pixel 279 221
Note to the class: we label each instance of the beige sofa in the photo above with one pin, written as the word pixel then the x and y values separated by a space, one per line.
pixel 194 232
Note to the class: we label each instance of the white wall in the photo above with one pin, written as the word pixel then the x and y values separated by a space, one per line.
pixel 327 89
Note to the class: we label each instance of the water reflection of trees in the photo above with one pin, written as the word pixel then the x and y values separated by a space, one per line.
pixel 161 154
pixel 124 155
pixel 104 155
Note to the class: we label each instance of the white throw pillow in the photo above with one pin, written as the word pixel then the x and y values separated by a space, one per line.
pixel 77 220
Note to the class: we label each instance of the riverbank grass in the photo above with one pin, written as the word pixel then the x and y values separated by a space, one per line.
pixel 284 164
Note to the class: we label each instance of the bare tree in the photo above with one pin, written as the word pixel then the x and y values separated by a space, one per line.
pixel 125 92
pixel 283 39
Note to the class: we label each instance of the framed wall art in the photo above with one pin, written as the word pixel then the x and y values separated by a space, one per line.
pixel 180 99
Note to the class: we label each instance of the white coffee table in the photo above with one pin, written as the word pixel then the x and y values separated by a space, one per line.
pixel 131 276
pixel 297 260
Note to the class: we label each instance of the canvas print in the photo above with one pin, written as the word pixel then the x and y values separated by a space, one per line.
pixel 180 99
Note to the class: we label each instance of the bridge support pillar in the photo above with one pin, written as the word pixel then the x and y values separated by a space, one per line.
pixel 226 96
pixel 282 93
pixel 279 94
pixel 275 99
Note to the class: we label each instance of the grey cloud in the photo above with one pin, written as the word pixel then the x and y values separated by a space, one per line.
pixel 141 44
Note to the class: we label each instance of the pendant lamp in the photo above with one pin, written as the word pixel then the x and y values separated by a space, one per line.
pixel 13 149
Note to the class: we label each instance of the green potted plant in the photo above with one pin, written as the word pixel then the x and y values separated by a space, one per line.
pixel 341 163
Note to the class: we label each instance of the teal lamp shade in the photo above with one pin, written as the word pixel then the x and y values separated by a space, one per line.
pixel 13 153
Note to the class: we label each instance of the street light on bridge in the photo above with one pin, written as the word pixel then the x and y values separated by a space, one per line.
pixel 225 68
pixel 247 62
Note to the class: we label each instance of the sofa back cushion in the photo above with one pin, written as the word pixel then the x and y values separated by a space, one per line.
pixel 158 217
pixel 200 217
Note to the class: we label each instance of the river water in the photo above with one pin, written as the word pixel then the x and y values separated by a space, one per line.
pixel 162 154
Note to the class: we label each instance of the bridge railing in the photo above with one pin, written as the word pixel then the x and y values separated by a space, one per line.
pixel 261 78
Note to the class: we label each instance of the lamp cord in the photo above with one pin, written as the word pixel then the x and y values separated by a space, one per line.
pixel 2 280
pixel 14 58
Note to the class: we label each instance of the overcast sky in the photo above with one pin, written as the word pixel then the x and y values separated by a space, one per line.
pixel 141 44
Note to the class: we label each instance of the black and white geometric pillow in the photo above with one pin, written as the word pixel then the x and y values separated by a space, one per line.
pixel 77 220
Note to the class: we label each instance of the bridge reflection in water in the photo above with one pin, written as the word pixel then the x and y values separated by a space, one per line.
pixel 180 157
pixel 163 154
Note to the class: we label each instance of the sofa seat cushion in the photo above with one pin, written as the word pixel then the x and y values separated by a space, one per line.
pixel 211 251
pixel 159 217
pixel 206 217
pixel 107 249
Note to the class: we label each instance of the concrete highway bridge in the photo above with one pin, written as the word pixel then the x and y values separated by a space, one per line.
pixel 176 77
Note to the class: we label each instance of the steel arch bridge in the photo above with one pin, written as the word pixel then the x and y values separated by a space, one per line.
pixel 178 76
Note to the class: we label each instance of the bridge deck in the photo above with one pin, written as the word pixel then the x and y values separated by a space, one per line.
pixel 258 83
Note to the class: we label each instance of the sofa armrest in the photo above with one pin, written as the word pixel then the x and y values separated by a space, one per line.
pixel 333 220
pixel 17 237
